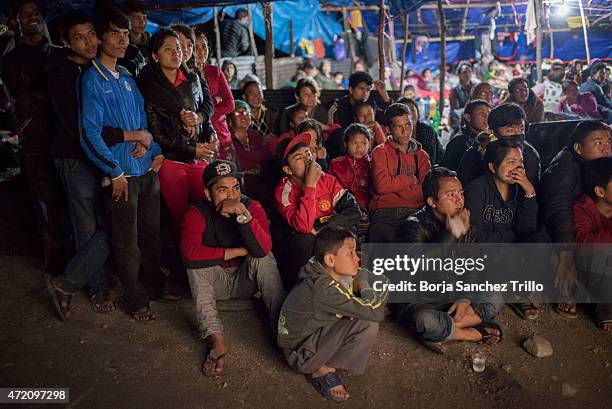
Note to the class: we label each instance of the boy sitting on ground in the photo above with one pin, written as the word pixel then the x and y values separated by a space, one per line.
pixel 330 319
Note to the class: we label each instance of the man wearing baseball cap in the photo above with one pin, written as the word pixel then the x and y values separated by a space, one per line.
pixel 226 244
pixel 307 199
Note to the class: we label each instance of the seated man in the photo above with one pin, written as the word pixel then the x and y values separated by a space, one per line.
pixel 225 243
pixel 444 219
pixel 307 199
pixel 560 188
pixel 330 319
pixel 397 170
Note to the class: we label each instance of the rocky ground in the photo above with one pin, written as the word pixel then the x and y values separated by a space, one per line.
pixel 112 362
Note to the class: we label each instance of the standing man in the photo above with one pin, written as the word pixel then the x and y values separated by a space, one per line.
pixel 234 35
pixel 226 245
pixel 111 98
pixel 23 73
pixel 138 19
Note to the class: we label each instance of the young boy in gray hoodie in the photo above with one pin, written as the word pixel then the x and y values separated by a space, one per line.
pixel 330 319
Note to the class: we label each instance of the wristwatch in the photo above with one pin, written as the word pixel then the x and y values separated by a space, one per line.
pixel 243 217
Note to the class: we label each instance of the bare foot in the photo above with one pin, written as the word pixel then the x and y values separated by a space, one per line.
pixel 568 308
pixel 606 327
pixel 214 364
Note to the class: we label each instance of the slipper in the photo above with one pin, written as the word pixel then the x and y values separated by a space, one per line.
pixel 521 308
pixel 210 357
pixel 144 316
pixel 600 325
pixel 99 299
pixel 482 328
pixel 436 347
pixel 324 384
pixel 61 300
pixel 565 314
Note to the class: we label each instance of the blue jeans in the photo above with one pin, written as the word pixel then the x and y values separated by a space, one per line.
pixel 81 181
pixel 431 322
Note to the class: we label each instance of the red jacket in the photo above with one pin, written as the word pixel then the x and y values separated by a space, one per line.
pixel 219 88
pixel 301 208
pixel 397 177
pixel 353 174
pixel 203 246
pixel 591 226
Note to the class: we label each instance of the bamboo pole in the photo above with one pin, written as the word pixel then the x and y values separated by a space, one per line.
pixel 291 45
pixel 584 32
pixel 217 36
pixel 392 48
pixel 442 20
pixel 251 34
pixel 349 40
pixel 404 47
pixel 381 36
pixel 267 11
pixel 538 13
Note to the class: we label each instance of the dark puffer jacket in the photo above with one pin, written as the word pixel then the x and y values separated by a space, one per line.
pixel 559 188
pixel 163 105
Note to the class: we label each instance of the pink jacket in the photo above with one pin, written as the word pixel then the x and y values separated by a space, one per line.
pixel 586 105
pixel 219 89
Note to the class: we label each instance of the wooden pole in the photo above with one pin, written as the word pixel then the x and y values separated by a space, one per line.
pixel 584 32
pixel 442 57
pixel 381 37
pixel 538 13
pixel 267 9
pixel 348 39
pixel 251 35
pixel 392 48
pixel 404 47
pixel 217 36
pixel 291 45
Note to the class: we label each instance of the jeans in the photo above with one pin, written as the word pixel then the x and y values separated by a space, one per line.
pixel 81 181
pixel 384 224
pixel 431 322
pixel 135 240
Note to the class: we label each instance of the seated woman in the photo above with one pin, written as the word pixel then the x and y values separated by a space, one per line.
pixel 423 132
pixel 307 95
pixel 231 73
pixel 520 93
pixel 574 102
pixel 502 204
pixel 251 151
pixel 263 119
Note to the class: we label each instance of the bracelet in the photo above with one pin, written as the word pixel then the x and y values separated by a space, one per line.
pixel 530 195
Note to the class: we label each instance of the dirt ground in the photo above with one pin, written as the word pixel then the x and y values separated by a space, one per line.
pixel 112 362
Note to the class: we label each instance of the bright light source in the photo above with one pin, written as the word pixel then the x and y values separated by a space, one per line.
pixel 562 10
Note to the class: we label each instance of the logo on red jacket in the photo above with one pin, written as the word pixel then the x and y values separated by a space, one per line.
pixel 324 205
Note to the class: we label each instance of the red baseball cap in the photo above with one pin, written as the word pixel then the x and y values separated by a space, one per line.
pixel 304 137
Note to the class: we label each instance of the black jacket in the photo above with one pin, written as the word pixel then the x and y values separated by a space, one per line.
pixel 163 105
pixel 456 148
pixel 559 188
pixel 424 227
pixel 497 221
pixel 23 72
pixel 472 164
pixel 342 111
pixel 133 61
pixel 428 137
pixel 234 38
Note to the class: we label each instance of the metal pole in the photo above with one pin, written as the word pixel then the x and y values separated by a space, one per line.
pixel 217 36
pixel 442 57
pixel 251 35
pixel 584 32
pixel 291 45
pixel 267 9
pixel 538 13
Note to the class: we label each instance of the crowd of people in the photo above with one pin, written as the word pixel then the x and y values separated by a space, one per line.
pixel 276 202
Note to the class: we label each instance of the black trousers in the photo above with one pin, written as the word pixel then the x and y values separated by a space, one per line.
pixel 135 240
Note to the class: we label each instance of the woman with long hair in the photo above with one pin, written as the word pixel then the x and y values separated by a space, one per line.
pixel 222 98
pixel 307 95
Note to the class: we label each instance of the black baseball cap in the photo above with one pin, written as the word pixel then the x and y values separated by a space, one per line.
pixel 219 169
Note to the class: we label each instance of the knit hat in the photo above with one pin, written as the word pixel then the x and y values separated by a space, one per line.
pixel 238 103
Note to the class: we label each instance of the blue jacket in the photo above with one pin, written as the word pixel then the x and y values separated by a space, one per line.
pixel 116 103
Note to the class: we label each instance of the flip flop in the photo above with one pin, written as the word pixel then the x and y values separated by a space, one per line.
pixel 144 316
pixel 482 328
pixel 600 325
pixel 565 314
pixel 521 308
pixel 61 300
pixel 324 384
pixel 210 357
pixel 100 298
pixel 436 347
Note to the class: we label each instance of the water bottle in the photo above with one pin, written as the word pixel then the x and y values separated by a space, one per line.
pixel 214 142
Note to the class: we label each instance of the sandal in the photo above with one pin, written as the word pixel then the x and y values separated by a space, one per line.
pixel 566 314
pixel 61 299
pixel 600 325
pixel 324 384
pixel 102 302
pixel 482 328
pixel 210 357
pixel 144 316
pixel 436 347
pixel 523 308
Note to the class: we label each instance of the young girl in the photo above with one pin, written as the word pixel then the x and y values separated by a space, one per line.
pixel 353 169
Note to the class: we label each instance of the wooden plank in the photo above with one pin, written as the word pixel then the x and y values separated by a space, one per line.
pixel 217 36
pixel 267 9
